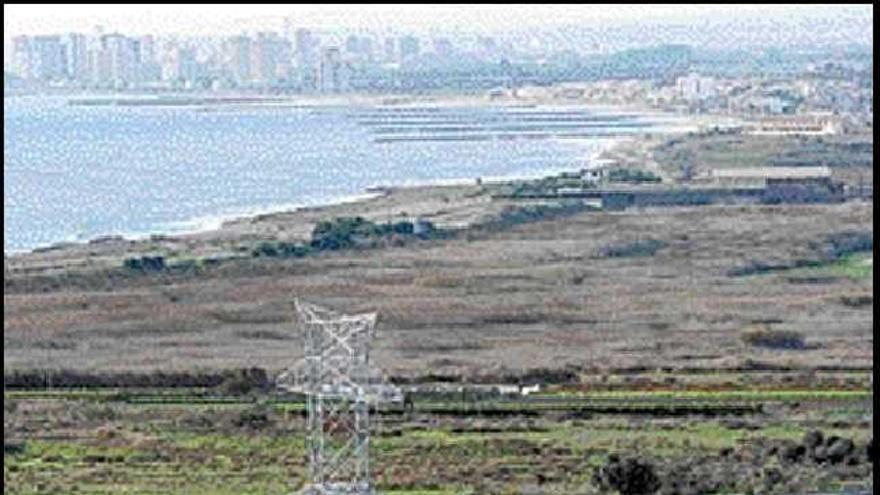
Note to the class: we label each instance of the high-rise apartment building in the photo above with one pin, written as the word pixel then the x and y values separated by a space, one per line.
pixel 306 47
pixel 42 58
pixel 409 48
pixel 76 54
pixel 238 59
pixel 150 70
pixel 122 55
pixel 331 78
pixel 23 57
pixel 266 54
pixel 390 50
pixel 359 48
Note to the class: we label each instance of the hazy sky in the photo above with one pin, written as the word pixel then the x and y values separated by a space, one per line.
pixel 228 19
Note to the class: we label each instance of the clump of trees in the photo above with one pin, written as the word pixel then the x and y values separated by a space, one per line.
pixel 145 263
pixel 348 233
pixel 280 249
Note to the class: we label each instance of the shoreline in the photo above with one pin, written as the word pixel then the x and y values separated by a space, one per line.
pixel 218 223
pixel 197 225
pixel 207 224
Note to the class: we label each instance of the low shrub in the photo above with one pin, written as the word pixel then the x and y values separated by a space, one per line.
pixel 100 412
pixel 513 215
pixel 849 242
pixel 254 417
pixel 647 247
pixel 764 336
pixel 187 265
pixel 280 249
pixel 857 300
pixel 145 263
pixel 12 447
pixel 245 381
pixel 760 268
pixel 39 379
pixel 629 476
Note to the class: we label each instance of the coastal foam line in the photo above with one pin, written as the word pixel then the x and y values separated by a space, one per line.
pixel 477 129
pixel 490 113
pixel 196 225
pixel 477 119
pixel 490 136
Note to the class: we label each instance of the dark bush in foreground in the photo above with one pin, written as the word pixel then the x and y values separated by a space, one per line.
pixel 764 336
pixel 14 447
pixel 629 476
pixel 816 447
pixel 244 381
pixel 254 417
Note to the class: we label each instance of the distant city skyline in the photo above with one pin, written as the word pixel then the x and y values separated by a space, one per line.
pixel 335 48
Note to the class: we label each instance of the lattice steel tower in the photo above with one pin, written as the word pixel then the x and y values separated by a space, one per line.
pixel 339 384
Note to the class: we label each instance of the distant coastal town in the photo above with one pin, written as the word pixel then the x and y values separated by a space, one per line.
pixel 292 60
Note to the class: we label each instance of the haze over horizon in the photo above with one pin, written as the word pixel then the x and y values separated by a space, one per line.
pixel 851 22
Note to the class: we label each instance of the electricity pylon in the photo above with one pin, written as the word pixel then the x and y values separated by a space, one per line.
pixel 339 384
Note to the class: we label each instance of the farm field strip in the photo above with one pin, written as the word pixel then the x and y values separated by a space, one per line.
pixel 205 395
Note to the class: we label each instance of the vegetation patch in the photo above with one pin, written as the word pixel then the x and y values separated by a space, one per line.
pixel 641 248
pixel 280 249
pixel 245 381
pixel 840 253
pixel 629 476
pixel 263 335
pixel 349 233
pixel 549 185
pixel 763 335
pixel 857 300
pixel 632 176
pixel 842 244
pixel 515 215
pixel 145 263
pixel 70 379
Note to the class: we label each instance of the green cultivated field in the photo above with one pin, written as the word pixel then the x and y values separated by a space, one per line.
pixel 103 442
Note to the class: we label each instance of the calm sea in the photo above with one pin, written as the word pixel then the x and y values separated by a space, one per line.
pixel 72 173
